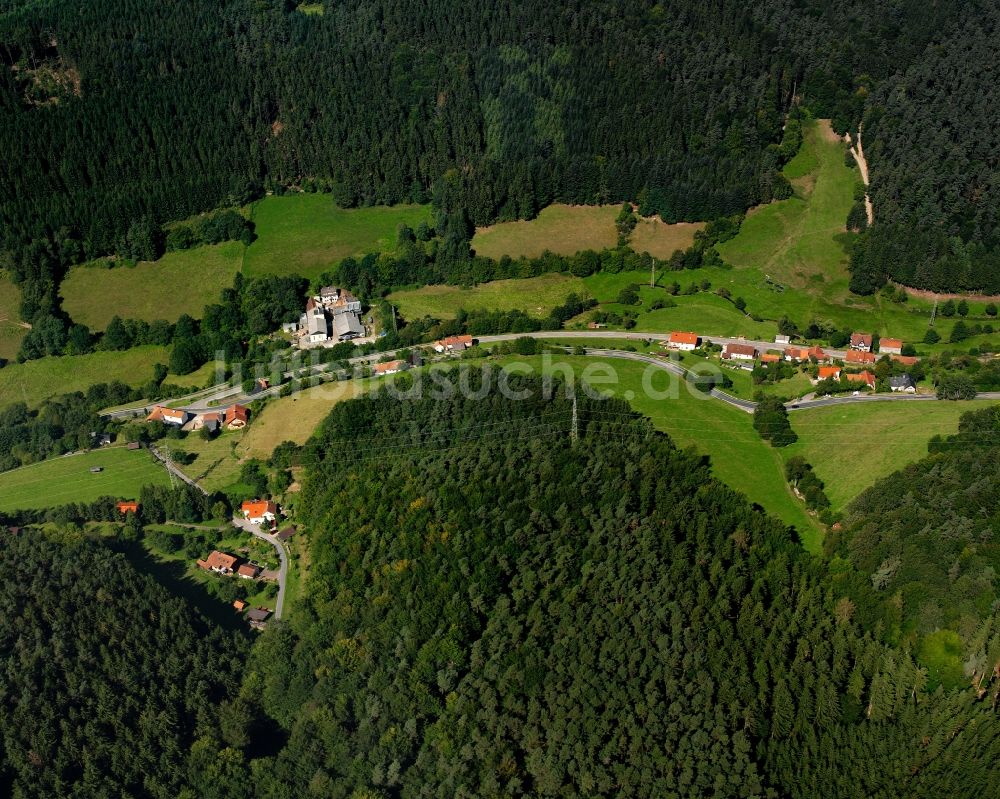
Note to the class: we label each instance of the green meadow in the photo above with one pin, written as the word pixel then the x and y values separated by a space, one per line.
pixel 306 234
pixel 60 481
pixel 852 446
pixel 536 295
pixel 182 282
pixel 34 381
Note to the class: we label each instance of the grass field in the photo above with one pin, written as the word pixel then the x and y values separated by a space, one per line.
pixel 34 381
pixel 200 377
pixel 562 229
pixel 216 466
pixel 852 446
pixel 306 234
pixel 179 283
pixel 68 479
pixel 536 296
pixel 295 418
pixel 660 239
pixel 11 332
pixel 739 457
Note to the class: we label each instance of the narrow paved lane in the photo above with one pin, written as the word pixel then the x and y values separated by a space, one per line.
pixel 254 530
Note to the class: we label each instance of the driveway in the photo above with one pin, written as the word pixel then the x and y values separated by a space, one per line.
pixel 255 530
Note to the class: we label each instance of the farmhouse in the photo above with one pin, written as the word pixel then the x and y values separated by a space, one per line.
pixel 861 342
pixel 828 373
pixel 347 325
pixel 890 346
pixel 796 354
pixel 127 506
pixel 236 417
pixel 218 562
pixel 315 326
pixel 739 352
pixel 211 420
pixel 168 416
pixel 683 341
pixel 389 367
pixel 903 384
pixel 770 357
pixel 860 356
pixel 453 343
pixel 258 511
pixel 865 377
pixel 248 571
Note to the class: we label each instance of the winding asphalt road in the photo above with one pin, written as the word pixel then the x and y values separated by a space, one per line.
pixel 206 400
pixel 254 530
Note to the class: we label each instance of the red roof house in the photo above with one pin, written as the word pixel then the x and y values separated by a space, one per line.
pixel 248 571
pixel 240 605
pixel 259 510
pixel 127 506
pixel 860 356
pixel 861 341
pixel 770 357
pixel 453 343
pixel 684 341
pixel 829 373
pixel 220 562
pixel 237 417
pixel 890 346
pixel 865 377
pixel 389 367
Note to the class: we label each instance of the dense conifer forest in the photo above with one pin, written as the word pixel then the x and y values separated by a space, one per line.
pixel 923 553
pixel 109 686
pixel 497 611
pixel 130 113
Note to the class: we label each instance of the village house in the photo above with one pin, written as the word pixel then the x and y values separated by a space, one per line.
pixel 389 368
pixel 334 313
pixel 212 420
pixel 240 605
pixel 127 506
pixel 236 417
pixel 903 384
pixel 739 352
pixel 259 511
pixel 683 341
pixel 168 416
pixel 286 533
pixel 218 562
pixel 796 354
pixel 859 356
pixel 289 327
pixel 890 346
pixel 596 325
pixel 906 360
pixel 346 325
pixel 258 617
pixel 865 377
pixel 770 357
pixel 861 342
pixel 314 324
pixel 248 571
pixel 828 373
pixel 453 344
pixel 779 339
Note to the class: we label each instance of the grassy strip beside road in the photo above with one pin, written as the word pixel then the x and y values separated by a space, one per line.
pixel 60 481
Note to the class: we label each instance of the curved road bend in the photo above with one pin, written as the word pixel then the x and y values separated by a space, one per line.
pixel 255 531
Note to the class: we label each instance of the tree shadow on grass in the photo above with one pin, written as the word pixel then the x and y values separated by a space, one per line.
pixel 171 575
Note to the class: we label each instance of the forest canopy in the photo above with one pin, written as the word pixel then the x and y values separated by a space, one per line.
pixel 126 115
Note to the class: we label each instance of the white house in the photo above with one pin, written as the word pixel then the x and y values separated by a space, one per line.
pixel 739 352
pixel 259 511
pixel 683 341
pixel 453 344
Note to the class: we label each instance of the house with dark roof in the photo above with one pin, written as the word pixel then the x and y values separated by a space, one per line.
pixel 739 352
pixel 286 533
pixel 903 384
